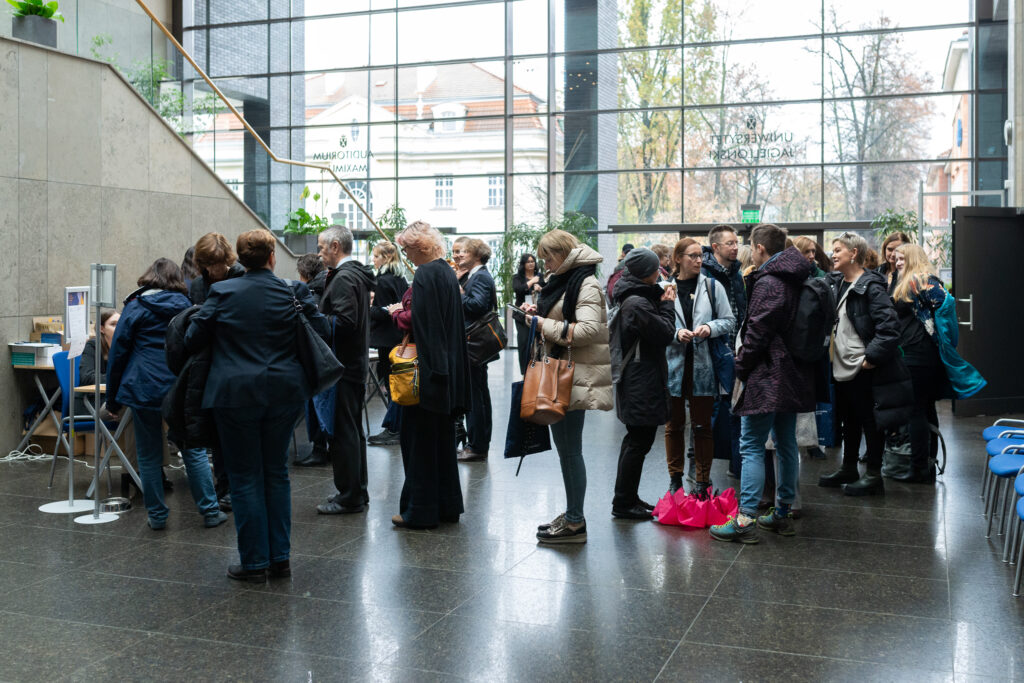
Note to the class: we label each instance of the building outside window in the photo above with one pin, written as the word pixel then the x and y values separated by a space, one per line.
pixel 495 191
pixel 443 191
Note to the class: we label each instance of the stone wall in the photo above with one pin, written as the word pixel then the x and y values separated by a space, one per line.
pixel 89 173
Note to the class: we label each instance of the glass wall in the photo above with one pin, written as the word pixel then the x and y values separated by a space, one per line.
pixel 478 114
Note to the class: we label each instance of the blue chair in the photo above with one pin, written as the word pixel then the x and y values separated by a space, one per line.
pixel 83 423
pixel 1003 466
pixel 1002 427
pixel 1018 539
pixel 1020 549
pixel 1001 438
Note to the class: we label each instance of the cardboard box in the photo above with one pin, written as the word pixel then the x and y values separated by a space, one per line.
pixel 45 437
pixel 48 323
pixel 47 337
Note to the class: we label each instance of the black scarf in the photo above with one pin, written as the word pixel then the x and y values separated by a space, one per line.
pixel 567 284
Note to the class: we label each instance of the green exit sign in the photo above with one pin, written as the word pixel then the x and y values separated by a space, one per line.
pixel 751 213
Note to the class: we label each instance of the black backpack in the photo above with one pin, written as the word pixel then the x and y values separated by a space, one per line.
pixel 813 321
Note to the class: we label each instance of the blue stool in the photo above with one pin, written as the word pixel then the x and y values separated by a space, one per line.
pixel 1000 426
pixel 1020 550
pixel 993 448
pixel 1018 488
pixel 1003 466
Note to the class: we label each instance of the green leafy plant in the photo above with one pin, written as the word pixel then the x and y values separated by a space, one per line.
pixel 301 222
pixel 154 80
pixel 391 222
pixel 891 220
pixel 36 8
pixel 521 237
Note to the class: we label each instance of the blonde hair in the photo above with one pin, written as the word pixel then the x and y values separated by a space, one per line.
pixel 662 250
pixel 389 254
pixel 479 249
pixel 745 256
pixel 916 271
pixel 852 241
pixel 556 243
pixel 421 236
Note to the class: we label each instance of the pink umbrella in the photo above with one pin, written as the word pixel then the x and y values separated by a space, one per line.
pixel 683 509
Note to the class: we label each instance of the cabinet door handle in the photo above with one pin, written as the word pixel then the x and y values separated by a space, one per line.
pixel 970 311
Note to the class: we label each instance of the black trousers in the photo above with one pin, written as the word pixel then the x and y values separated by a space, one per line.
pixel 924 445
pixel 348 446
pixel 855 410
pixel 432 491
pixel 636 444
pixel 478 419
pixel 522 335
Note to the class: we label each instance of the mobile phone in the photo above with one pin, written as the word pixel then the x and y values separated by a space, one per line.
pixel 517 313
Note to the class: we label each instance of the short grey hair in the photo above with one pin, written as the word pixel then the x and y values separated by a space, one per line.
pixel 339 234
pixel 852 241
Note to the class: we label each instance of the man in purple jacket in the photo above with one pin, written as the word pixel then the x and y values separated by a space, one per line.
pixel 775 385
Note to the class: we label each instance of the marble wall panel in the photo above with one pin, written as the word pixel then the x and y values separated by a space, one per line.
pixel 210 215
pixel 73 120
pixel 169 225
pixel 125 234
pixel 8 237
pixel 9 109
pixel 73 242
pixel 205 182
pixel 32 108
pixel 124 127
pixel 33 207
pixel 170 160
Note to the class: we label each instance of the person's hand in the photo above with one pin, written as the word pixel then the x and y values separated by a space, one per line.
pixel 531 318
pixel 669 294
pixel 537 287
pixel 868 365
pixel 107 416
pixel 684 336
pixel 704 331
pixel 532 281
pixel 371 297
pixel 394 308
pixel 529 308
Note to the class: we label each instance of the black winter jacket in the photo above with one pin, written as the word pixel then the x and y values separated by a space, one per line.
pixel 346 303
pixel 199 288
pixel 189 425
pixel 387 290
pixel 641 394
pixel 317 285
pixel 871 311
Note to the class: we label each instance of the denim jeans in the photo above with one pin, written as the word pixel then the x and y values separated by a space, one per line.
pixel 149 443
pixel 255 445
pixel 755 431
pixel 568 438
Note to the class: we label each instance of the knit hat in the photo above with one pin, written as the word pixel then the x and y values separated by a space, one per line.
pixel 641 262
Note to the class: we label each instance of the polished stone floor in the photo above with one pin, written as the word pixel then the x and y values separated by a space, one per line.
pixel 901 587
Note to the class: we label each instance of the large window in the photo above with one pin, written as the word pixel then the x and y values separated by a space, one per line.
pixel 636 112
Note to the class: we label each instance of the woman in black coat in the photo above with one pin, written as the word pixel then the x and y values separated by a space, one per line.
pixel 526 283
pixel 256 389
pixel 433 314
pixel 873 390
pixel 87 369
pixel 640 331
pixel 388 289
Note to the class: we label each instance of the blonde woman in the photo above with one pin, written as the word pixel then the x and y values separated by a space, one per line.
pixel 388 289
pixel 571 313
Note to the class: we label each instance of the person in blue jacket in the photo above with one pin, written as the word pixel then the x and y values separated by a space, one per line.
pixel 479 297
pixel 138 377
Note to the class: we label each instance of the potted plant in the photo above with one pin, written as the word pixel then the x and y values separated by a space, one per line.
pixel 36 21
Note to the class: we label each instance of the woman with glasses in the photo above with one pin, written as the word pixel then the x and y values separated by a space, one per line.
pixel 691 375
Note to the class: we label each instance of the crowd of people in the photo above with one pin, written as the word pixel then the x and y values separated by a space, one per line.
pixel 695 339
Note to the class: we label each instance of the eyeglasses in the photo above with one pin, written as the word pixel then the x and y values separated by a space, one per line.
pixel 692 256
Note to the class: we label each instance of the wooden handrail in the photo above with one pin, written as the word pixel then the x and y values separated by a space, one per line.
pixel 256 136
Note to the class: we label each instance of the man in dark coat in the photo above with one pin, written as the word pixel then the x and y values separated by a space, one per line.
pixel 776 386
pixel 313 272
pixel 720 263
pixel 640 331
pixel 346 303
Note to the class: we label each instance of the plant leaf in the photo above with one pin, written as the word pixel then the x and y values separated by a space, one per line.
pixel 305 192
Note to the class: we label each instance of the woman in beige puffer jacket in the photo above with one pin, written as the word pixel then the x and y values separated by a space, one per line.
pixel 585 331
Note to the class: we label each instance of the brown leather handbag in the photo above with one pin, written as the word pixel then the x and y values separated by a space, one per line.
pixel 547 387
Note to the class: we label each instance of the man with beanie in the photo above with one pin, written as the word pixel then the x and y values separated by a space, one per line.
pixel 639 332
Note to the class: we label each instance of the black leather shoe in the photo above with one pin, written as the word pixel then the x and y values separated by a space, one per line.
pixel 635 512
pixel 280 570
pixel 645 505
pixel 225 502
pixel 400 522
pixel 675 483
pixel 385 438
pixel 838 478
pixel 314 459
pixel 237 573
pixel 918 476
pixel 333 508
pixel 867 485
